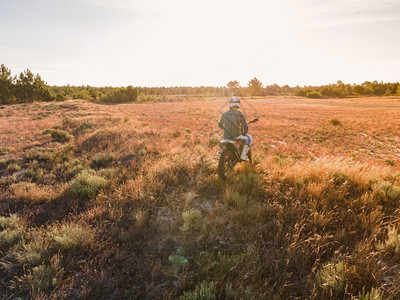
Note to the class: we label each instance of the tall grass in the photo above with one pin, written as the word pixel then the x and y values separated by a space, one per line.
pixel 153 221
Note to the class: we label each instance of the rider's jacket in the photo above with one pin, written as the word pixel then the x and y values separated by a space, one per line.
pixel 233 122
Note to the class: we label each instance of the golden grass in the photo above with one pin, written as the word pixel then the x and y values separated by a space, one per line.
pixel 315 218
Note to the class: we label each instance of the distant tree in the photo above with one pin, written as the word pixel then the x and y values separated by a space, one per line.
pixel 41 91
pixel 331 91
pixel 255 87
pixel 301 92
pixel 83 94
pixel 286 90
pixel 272 89
pixel 359 89
pixel 24 86
pixel 6 85
pixel 233 87
pixel 29 88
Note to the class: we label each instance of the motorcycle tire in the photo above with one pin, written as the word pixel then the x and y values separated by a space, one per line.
pixel 226 164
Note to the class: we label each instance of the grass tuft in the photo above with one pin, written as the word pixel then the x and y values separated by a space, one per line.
pixel 235 200
pixel 71 236
pixel 335 122
pixel 203 290
pixel 87 185
pixel 101 160
pixel 43 278
pixel 193 220
pixel 332 277
pixel 58 136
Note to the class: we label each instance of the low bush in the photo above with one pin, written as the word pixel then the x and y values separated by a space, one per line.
pixel 203 290
pixel 335 122
pixel 101 140
pixel 385 190
pixel 29 253
pixel 70 123
pixel 392 242
pixel 87 185
pixel 86 126
pixel 43 278
pixel 373 294
pixel 13 167
pixel 39 154
pixel 71 236
pixel 332 277
pixel 339 177
pixel 11 231
pixel 314 95
pixel 101 160
pixel 176 133
pixel 4 163
pixel 58 136
pixel 235 200
pixel 193 220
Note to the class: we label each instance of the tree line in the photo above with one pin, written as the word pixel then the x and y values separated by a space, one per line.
pixel 28 87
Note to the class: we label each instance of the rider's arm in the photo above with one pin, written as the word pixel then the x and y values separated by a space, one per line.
pixel 221 122
pixel 244 124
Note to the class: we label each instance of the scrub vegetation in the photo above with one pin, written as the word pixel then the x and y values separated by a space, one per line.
pixel 123 202
pixel 28 87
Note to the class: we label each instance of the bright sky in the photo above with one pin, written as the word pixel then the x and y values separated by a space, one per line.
pixel 207 42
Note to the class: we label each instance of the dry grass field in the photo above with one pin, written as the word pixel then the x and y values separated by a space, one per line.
pixel 123 201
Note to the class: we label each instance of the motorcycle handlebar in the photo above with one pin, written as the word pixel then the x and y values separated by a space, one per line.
pixel 253 121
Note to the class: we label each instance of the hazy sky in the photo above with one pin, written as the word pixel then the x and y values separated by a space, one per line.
pixel 207 42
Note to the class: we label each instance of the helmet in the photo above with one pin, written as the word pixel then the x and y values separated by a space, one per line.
pixel 234 102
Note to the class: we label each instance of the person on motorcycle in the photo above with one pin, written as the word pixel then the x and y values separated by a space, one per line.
pixel 235 127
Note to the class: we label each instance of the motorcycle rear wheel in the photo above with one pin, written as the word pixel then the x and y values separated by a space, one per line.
pixel 226 164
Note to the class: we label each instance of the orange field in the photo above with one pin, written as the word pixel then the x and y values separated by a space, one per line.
pixel 302 129
pixel 123 201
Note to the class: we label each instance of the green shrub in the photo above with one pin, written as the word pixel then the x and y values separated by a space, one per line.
pixel 3 152
pixel 71 236
pixel 339 177
pixel 212 142
pixel 176 133
pixel 87 185
pixel 335 122
pixel 30 253
pixel 314 95
pixel 373 294
pixel 13 167
pixel 193 220
pixel 39 154
pixel 86 126
pixel 202 291
pixel 5 162
pixel 34 174
pixel 68 122
pixel 11 231
pixel 333 278
pixel 392 242
pixel 60 136
pixel 248 183
pixel 236 200
pixel 107 173
pixel 43 278
pixel 389 161
pixel 101 160
pixel 385 189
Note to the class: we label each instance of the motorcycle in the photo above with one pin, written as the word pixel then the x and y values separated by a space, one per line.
pixel 230 151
